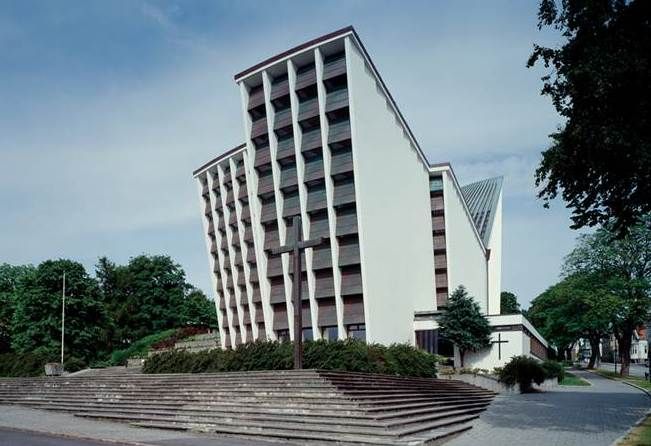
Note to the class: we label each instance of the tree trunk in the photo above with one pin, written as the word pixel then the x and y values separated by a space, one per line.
pixel 462 353
pixel 624 347
pixel 594 351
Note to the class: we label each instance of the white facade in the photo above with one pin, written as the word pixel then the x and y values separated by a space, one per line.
pixel 398 272
pixel 324 140
pixel 467 263
pixel 514 333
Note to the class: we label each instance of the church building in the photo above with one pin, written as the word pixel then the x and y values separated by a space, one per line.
pixel 324 140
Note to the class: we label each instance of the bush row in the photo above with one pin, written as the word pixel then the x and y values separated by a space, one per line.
pixel 23 364
pixel 33 364
pixel 178 335
pixel 350 355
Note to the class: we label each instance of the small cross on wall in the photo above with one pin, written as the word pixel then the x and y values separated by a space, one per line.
pixel 499 343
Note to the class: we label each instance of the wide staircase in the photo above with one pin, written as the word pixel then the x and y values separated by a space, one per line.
pixel 305 406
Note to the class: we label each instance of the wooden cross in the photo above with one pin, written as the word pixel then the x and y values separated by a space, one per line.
pixel 295 249
pixel 499 343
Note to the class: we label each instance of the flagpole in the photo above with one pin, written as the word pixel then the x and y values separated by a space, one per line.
pixel 63 315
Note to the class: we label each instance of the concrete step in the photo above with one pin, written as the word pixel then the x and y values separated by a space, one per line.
pixel 243 391
pixel 349 408
pixel 430 437
pixel 430 433
pixel 288 405
pixel 294 425
pixel 377 409
pixel 383 410
pixel 344 407
pixel 218 411
pixel 317 417
pixel 303 382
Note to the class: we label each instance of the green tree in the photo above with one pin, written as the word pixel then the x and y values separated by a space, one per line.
pixel 9 278
pixel 509 303
pixel 579 306
pixel 198 310
pixel 464 325
pixel 547 314
pixel 600 84
pixel 37 316
pixel 624 264
pixel 143 297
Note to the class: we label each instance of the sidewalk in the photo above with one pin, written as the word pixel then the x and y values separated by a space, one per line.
pixel 67 425
pixel 594 415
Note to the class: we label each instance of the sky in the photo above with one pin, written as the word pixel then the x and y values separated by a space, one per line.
pixel 106 108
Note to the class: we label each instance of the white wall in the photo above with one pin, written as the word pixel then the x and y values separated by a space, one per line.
pixel 466 258
pixel 518 343
pixel 393 208
pixel 495 261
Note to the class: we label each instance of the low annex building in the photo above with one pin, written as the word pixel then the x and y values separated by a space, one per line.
pixel 324 139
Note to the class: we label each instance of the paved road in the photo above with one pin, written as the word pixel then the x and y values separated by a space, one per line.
pixel 10 437
pixel 595 416
pixel 635 370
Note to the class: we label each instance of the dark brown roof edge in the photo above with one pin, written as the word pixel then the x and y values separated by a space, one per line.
pixel 220 157
pixel 296 49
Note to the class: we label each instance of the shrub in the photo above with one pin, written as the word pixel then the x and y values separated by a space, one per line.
pixel 139 348
pixel 73 364
pixel 181 333
pixel 553 369
pixel 100 364
pixel 523 371
pixel 348 355
pixel 406 360
pixel 23 364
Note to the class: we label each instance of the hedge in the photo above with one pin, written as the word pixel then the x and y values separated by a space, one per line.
pixel 553 369
pixel 23 364
pixel 350 355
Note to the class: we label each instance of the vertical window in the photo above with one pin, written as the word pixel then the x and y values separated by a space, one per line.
pixel 330 333
pixel 357 331
pixel 435 184
pixel 307 334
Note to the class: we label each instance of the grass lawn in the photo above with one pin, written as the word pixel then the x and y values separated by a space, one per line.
pixel 639 436
pixel 573 380
pixel 640 382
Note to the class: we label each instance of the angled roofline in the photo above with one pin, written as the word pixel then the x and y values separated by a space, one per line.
pixel 292 51
pixel 219 158
pixel 394 105
pixel 343 32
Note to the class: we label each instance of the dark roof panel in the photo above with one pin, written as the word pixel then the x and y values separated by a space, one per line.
pixel 481 198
